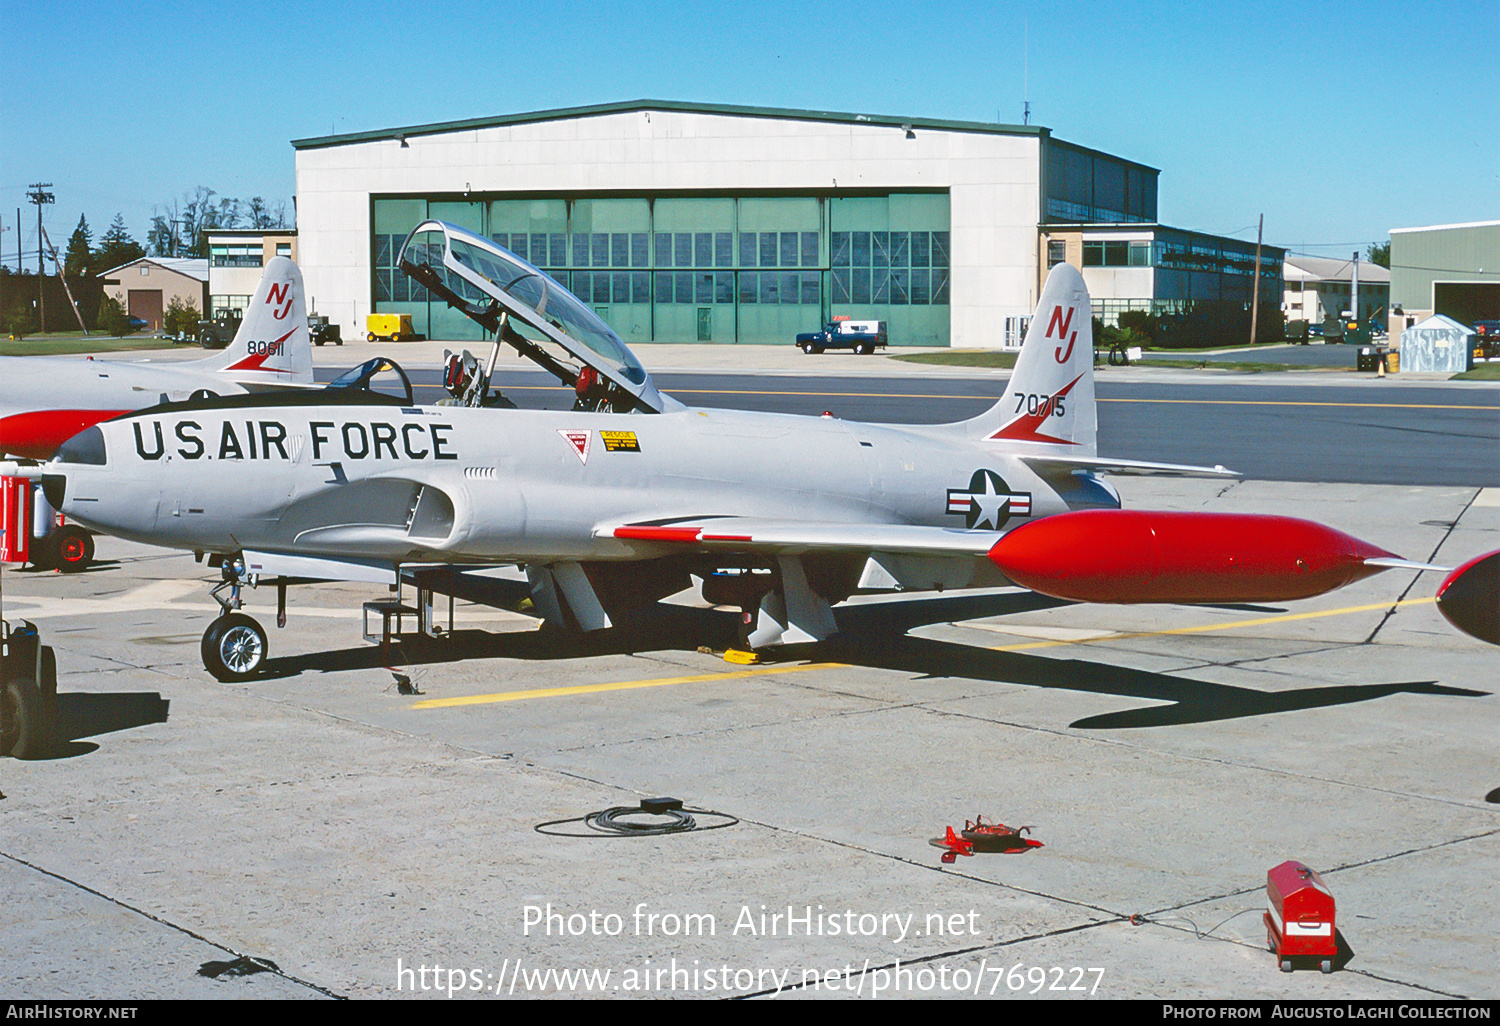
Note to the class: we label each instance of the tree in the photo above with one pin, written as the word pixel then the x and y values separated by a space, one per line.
pixel 159 239
pixel 181 318
pixel 80 254
pixel 117 247
pixel 1379 254
pixel 112 319
pixel 180 228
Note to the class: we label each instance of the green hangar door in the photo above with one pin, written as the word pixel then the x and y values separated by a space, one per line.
pixel 700 268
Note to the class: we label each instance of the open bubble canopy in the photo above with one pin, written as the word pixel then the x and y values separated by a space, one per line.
pixel 483 279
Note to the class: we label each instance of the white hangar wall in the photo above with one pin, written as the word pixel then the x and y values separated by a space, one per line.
pixel 992 178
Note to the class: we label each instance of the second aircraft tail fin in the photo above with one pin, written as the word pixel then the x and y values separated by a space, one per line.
pixel 272 345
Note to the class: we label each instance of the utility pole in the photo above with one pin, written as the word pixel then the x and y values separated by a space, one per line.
pixel 1255 294
pixel 39 196
pixel 1354 290
pixel 57 262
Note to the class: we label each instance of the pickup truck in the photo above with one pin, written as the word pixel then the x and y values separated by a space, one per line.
pixel 861 336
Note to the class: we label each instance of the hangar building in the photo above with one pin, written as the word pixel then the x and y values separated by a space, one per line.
pixel 698 223
pixel 147 287
pixel 1447 269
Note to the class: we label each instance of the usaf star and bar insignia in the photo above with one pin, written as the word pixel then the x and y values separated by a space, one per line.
pixel 988 502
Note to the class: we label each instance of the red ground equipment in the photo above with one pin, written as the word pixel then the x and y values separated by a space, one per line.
pixel 34 533
pixel 977 835
pixel 1299 917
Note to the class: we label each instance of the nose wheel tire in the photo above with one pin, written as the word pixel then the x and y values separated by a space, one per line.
pixel 234 648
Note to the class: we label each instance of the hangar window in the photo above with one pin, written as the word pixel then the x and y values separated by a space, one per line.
pixel 900 287
pixel 919 249
pixel 236 255
pixel 940 287
pixel 920 293
pixel 840 252
pixel 1106 254
pixel 1057 252
pixel 768 249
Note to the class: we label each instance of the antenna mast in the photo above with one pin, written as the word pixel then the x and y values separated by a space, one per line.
pixel 1026 71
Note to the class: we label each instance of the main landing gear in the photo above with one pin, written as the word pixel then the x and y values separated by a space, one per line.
pixel 234 646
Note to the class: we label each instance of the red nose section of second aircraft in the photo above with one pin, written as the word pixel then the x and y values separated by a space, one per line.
pixel 1136 556
pixel 36 435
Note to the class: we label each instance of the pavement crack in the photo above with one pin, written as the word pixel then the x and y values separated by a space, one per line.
pixel 1448 533
pixel 170 925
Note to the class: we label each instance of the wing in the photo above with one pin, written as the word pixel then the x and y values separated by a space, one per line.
pixel 877 557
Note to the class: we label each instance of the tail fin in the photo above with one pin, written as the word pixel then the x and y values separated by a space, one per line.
pixel 272 346
pixel 1049 404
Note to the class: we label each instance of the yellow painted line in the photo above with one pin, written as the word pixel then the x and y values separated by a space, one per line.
pixel 1215 626
pixel 628 685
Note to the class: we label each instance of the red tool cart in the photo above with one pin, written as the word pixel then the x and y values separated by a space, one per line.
pixel 1300 917
pixel 34 533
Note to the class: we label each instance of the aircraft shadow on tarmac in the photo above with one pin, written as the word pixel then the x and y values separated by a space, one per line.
pixel 875 636
pixel 85 715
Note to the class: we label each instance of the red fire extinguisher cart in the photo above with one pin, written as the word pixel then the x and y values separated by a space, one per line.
pixel 1300 917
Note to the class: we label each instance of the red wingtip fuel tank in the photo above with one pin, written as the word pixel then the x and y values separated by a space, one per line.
pixel 1114 555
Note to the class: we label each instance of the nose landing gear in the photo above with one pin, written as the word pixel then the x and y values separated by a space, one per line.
pixel 234 646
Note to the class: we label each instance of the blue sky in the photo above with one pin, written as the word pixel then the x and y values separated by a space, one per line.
pixel 1338 120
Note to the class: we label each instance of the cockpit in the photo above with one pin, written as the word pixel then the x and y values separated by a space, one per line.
pixel 526 309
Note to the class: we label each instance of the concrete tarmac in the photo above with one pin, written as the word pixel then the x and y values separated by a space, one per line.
pixel 373 844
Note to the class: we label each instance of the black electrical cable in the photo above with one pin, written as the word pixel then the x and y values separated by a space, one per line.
pixel 611 822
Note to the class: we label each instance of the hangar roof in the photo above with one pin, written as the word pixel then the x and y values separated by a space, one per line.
pixel 191 267
pixel 729 110
pixel 1446 227
pixel 1302 268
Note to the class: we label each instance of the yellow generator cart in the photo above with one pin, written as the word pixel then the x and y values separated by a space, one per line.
pixel 395 327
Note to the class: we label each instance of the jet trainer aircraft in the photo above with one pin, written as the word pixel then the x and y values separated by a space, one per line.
pixel 620 501
pixel 44 401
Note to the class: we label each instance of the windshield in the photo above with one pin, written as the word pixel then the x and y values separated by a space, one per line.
pixel 482 273
pixel 380 375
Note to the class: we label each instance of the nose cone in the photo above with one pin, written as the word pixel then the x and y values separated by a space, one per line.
pixel 85 449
